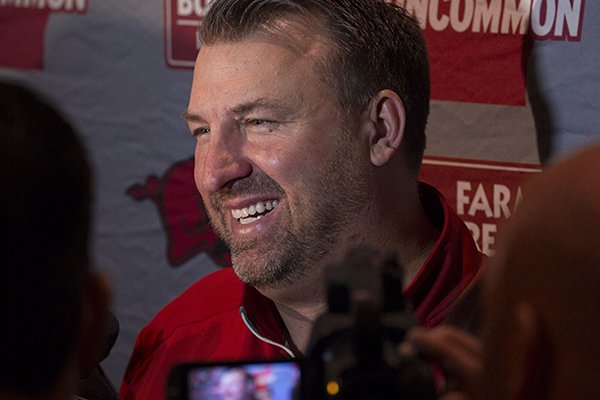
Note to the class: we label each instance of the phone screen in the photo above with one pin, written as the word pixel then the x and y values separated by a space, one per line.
pixel 272 380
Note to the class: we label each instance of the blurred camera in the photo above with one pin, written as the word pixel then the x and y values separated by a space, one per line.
pixel 353 352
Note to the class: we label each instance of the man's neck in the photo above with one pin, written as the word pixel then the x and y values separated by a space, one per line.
pixel 299 306
pixel 300 309
pixel 400 226
pixel 408 231
pixel 300 323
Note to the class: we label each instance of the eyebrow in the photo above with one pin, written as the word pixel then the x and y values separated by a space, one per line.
pixel 242 108
pixel 259 103
pixel 190 117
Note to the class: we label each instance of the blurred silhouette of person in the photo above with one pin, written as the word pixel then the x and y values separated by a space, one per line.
pixel 52 303
pixel 540 295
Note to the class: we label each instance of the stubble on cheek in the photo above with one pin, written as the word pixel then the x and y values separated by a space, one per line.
pixel 312 227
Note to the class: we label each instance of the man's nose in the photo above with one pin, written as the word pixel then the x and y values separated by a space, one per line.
pixel 222 161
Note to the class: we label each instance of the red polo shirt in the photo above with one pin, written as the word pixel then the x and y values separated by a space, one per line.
pixel 205 323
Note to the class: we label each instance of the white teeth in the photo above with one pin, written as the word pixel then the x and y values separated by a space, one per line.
pixel 249 220
pixel 248 215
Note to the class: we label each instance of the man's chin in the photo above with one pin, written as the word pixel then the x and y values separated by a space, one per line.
pixel 262 276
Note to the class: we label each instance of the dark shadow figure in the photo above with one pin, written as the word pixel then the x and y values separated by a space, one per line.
pixel 544 125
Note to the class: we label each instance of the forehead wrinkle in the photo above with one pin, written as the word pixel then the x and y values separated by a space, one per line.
pixel 257 104
pixel 244 108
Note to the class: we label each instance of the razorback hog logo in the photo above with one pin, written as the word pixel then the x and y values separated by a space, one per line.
pixel 23 26
pixel 183 215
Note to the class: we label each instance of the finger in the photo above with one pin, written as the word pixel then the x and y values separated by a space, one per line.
pixel 446 341
pixel 458 353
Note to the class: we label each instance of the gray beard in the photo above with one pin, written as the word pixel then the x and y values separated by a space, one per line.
pixel 299 254
pixel 301 249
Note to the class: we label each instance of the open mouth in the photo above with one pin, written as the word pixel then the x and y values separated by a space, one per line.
pixel 254 212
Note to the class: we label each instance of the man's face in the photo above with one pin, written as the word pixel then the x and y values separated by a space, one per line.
pixel 235 386
pixel 280 175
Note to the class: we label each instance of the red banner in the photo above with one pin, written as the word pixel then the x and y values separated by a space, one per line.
pixel 478 49
pixel 23 27
pixel 482 193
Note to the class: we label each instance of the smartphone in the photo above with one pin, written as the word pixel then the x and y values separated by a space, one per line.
pixel 238 380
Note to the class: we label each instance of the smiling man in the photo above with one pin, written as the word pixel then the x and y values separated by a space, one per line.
pixel 309 117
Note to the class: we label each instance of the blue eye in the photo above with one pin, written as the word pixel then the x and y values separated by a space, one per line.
pixel 200 131
pixel 261 125
pixel 257 122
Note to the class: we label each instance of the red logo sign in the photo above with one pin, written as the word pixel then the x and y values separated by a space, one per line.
pixel 478 49
pixel 182 18
pixel 482 193
pixel 22 29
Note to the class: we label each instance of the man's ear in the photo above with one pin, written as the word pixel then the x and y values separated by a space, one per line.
pixel 387 116
pixel 95 304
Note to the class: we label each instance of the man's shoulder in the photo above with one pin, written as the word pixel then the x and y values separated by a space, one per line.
pixel 218 293
pixel 188 328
